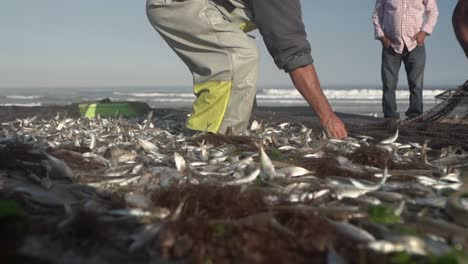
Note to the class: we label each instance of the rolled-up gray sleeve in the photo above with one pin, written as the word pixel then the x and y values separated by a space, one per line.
pixel 280 24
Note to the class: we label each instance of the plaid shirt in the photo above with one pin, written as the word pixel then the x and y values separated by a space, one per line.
pixel 401 20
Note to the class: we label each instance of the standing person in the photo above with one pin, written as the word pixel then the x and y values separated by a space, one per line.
pixel 460 24
pixel 210 37
pixel 402 27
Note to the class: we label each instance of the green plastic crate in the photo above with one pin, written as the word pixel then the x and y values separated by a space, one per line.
pixel 112 109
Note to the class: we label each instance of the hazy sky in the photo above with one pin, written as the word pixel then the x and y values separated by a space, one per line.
pixel 111 43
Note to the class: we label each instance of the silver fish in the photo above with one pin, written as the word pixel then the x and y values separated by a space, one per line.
pixel 387 196
pixel 93 143
pixel 266 166
pixel 373 187
pixel 451 160
pixel 204 155
pixel 352 231
pixel 118 171
pixel 292 171
pixel 97 158
pixel 455 208
pixel 347 190
pixel 390 139
pixel 148 146
pixel 58 168
pixel 255 126
pixel 142 238
pixel 180 163
pixel 410 244
pixel 249 178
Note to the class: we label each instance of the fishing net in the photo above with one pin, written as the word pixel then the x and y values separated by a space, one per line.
pixel 452 109
pixel 444 124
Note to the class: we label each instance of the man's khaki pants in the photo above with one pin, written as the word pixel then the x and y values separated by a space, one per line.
pixel 223 59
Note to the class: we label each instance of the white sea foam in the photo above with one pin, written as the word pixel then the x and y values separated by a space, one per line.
pixel 23 97
pixel 172 100
pixel 30 104
pixel 303 101
pixel 289 95
pixel 156 100
pixel 344 94
pixel 155 94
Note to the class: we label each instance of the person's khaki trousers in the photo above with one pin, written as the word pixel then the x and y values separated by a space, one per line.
pixel 223 59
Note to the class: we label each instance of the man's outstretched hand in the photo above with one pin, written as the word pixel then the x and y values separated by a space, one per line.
pixel 334 127
pixel 306 81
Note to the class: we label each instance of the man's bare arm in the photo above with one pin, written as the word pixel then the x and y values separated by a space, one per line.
pixel 307 83
pixel 460 24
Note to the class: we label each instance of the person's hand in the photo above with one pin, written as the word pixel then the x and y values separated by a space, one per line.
pixel 420 37
pixel 334 127
pixel 385 42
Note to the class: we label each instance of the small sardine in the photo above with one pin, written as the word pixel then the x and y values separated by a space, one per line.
pixel 454 207
pixel 353 232
pixel 249 178
pixel 292 172
pixel 148 146
pixel 266 166
pixel 390 139
pixel 180 163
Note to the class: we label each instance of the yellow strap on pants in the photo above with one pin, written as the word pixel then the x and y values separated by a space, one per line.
pixel 210 106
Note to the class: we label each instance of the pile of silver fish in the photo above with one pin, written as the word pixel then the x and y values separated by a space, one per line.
pixel 133 158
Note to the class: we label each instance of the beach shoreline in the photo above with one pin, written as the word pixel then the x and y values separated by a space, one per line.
pixel 356 100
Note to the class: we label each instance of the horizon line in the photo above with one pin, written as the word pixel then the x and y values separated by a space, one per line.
pixel 110 86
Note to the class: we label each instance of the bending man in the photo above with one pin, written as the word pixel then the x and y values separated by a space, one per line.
pixel 210 37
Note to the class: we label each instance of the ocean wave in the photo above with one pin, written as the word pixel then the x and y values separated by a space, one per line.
pixel 185 95
pixel 343 94
pixel 172 100
pixel 290 94
pixel 157 100
pixel 30 104
pixel 282 102
pixel 23 97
